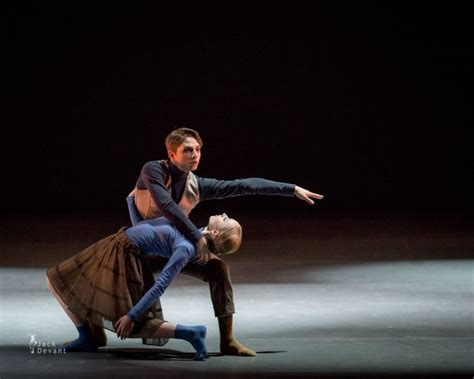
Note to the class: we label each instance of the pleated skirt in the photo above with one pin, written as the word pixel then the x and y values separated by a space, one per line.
pixel 104 281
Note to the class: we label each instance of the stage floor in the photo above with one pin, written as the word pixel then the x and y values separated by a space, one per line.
pixel 326 294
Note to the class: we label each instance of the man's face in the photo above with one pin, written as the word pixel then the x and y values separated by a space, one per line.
pixel 187 155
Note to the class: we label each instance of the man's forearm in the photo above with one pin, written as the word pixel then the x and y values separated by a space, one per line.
pixel 221 189
pixel 174 213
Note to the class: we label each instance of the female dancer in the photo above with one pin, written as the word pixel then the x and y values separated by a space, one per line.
pixel 110 285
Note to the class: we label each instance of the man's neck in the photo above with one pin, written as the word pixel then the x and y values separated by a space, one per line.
pixel 176 170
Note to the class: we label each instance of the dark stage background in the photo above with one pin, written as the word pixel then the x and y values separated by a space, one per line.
pixel 370 105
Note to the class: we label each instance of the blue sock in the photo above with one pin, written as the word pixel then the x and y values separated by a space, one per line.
pixel 85 342
pixel 85 332
pixel 196 336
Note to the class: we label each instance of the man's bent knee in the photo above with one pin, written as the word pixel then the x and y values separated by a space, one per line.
pixel 217 270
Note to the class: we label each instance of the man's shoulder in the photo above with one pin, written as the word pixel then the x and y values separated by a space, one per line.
pixel 156 163
pixel 155 166
pixel 204 179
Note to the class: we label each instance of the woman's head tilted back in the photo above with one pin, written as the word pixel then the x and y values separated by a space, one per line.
pixel 225 234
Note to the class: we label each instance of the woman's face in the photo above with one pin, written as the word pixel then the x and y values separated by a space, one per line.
pixel 220 222
pixel 225 234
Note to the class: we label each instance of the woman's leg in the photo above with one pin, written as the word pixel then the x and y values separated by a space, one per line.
pixel 76 320
pixel 86 341
pixel 195 335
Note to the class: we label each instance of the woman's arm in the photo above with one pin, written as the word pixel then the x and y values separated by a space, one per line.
pixel 178 260
pixel 135 216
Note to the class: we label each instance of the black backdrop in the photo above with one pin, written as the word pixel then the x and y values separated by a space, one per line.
pixel 367 104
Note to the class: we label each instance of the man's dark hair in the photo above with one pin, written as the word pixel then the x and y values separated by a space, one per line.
pixel 177 137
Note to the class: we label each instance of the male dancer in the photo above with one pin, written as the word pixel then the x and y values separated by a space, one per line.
pixel 169 188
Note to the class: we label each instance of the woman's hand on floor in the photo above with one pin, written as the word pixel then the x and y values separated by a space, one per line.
pixel 124 327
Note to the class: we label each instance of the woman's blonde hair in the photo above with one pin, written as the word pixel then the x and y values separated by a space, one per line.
pixel 228 239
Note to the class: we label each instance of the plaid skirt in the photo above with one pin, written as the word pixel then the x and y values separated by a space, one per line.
pixel 103 282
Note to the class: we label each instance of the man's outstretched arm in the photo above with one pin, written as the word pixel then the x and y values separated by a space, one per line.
pixel 211 189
